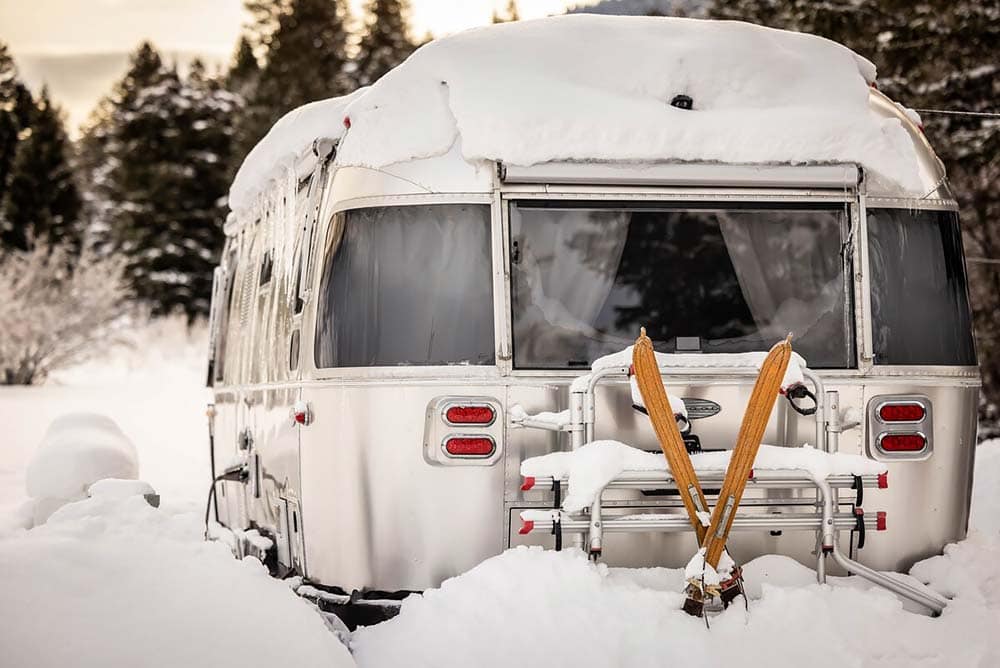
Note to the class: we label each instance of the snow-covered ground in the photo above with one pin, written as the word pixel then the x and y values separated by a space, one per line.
pixel 154 390
pixel 114 582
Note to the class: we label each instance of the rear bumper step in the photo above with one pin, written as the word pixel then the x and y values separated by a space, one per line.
pixel 545 521
pixel 761 479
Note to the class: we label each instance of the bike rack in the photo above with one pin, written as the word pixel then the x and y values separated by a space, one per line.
pixel 590 525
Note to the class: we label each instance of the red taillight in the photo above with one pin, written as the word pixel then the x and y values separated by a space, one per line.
pixel 903 442
pixel 901 412
pixel 469 446
pixel 482 415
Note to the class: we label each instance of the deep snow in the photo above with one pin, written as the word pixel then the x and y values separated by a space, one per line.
pixel 110 581
pixel 154 390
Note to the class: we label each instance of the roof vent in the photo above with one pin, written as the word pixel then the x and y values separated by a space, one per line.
pixel 682 102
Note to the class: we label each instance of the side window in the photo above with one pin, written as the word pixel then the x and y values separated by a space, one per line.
pixel 920 306
pixel 407 285
pixel 266 268
pixel 304 214
pixel 225 296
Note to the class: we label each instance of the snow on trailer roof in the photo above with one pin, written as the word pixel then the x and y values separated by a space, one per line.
pixel 599 88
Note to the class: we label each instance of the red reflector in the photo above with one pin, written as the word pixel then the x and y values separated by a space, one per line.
pixel 883 480
pixel 470 415
pixel 901 412
pixel 347 122
pixel 880 521
pixel 526 527
pixel 903 442
pixel 463 446
pixel 529 482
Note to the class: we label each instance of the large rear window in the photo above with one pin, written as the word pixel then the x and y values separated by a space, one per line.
pixel 920 307
pixel 585 277
pixel 407 285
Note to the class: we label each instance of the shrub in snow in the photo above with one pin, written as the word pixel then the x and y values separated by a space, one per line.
pixel 77 451
pixel 59 309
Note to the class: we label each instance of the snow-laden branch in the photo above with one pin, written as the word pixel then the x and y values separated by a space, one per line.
pixel 59 309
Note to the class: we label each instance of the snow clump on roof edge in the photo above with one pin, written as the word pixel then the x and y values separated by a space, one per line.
pixel 288 140
pixel 587 87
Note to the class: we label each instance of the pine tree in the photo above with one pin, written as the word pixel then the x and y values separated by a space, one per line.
pixel 242 80
pixel 264 15
pixel 385 42
pixel 99 148
pixel 15 112
pixel 244 74
pixel 42 202
pixel 176 139
pixel 306 60
pixel 163 177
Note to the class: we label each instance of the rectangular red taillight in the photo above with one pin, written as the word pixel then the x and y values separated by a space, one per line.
pixel 469 446
pixel 903 442
pixel 902 412
pixel 471 414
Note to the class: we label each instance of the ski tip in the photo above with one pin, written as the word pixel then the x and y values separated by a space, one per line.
pixel 788 339
pixel 643 340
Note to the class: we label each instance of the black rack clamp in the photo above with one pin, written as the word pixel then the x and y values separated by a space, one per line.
pixel 859 485
pixel 557 532
pixel 859 525
pixel 556 494
pixel 800 391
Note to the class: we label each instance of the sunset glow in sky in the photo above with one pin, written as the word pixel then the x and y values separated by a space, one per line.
pixel 78 47
pixel 207 26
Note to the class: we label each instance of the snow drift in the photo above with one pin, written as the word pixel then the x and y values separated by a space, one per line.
pixel 584 87
pixel 534 607
pixel 78 450
pixel 114 582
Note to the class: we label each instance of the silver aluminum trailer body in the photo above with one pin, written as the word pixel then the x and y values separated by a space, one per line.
pixel 362 493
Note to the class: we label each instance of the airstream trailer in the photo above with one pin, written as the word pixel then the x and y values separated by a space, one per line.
pixel 388 339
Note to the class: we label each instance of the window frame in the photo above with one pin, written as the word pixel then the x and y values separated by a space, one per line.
pixel 871 365
pixel 705 201
pixel 323 230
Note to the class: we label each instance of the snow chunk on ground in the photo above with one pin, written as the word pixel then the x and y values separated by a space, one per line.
pixel 590 468
pixel 115 582
pixel 586 87
pixel 78 450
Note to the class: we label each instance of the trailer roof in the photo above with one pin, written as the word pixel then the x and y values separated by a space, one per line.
pixel 600 88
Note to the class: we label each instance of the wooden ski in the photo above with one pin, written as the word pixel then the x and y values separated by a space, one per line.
pixel 654 396
pixel 758 412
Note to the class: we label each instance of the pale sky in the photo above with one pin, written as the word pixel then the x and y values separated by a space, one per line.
pixel 78 47
pixel 206 26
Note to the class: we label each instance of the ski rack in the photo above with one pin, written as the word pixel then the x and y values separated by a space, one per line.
pixel 825 521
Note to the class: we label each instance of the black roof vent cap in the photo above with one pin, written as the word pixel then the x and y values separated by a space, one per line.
pixel 682 102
